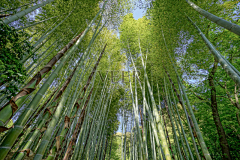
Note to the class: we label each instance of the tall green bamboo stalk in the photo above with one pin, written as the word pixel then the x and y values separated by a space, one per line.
pixel 77 128
pixel 168 100
pixel 79 124
pixel 92 73
pixel 101 126
pixel 154 156
pixel 155 113
pixel 24 12
pixel 46 137
pixel 199 135
pixel 37 115
pixel 14 132
pixel 144 120
pixel 46 116
pixel 35 23
pixel 131 137
pixel 86 128
pixel 8 109
pixel 230 70
pixel 109 156
pixel 27 55
pixel 40 56
pixel 167 135
pixel 79 151
pixel 76 107
pixel 183 132
pixel 198 132
pixel 68 120
pixel 125 139
pixel 106 112
pixel 101 120
pixel 65 131
pixel 34 69
pixel 33 62
pixel 189 120
pixel 221 22
pixel 17 7
pixel 136 119
pixel 153 124
pixel 122 150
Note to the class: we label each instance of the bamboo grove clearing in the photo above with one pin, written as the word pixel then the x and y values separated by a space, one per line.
pixel 83 79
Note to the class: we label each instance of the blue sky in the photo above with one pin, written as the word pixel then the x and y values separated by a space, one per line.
pixel 138 13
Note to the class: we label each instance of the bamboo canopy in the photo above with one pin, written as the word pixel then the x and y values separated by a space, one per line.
pixel 88 79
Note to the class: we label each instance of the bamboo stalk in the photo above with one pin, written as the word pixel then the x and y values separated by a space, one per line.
pixel 202 144
pixel 13 134
pixel 222 22
pixel 46 115
pixel 168 100
pixel 229 69
pixel 136 118
pixel 35 23
pixel 7 111
pixel 150 115
pixel 183 132
pixel 24 12
pixel 45 35
pixel 155 113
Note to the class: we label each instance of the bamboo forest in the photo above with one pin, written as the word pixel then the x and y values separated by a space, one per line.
pixel 119 79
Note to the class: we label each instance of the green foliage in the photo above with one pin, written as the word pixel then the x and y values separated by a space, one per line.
pixel 193 59
pixel 116 150
pixel 13 47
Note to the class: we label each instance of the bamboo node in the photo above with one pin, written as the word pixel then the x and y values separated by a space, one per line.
pixel 66 122
pixel 58 143
pixel 2 128
pixel 13 105
pixel 48 110
pixel 29 152
pixel 43 129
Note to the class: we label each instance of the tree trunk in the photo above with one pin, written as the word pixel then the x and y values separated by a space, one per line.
pixel 221 133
